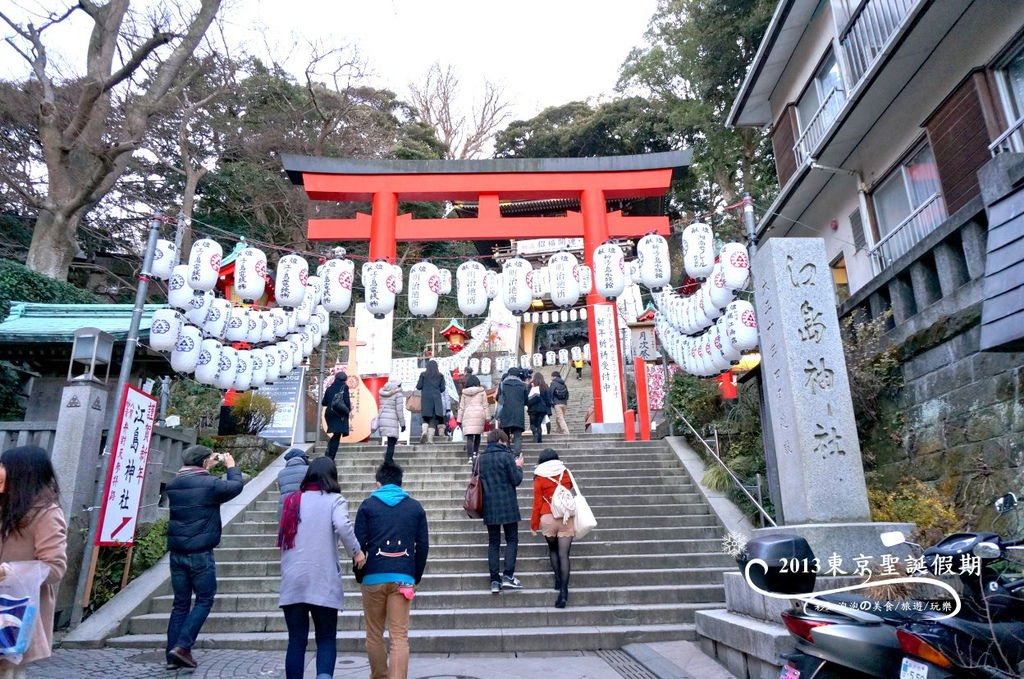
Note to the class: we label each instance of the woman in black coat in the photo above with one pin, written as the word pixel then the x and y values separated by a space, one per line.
pixel 513 402
pixel 539 405
pixel 337 424
pixel 500 474
pixel 431 386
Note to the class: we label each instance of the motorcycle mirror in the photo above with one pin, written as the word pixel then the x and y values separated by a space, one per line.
pixel 893 538
pixel 1006 503
pixel 987 550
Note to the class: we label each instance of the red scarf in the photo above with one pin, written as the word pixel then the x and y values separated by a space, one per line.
pixel 290 517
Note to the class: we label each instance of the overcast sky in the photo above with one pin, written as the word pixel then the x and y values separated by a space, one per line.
pixel 542 52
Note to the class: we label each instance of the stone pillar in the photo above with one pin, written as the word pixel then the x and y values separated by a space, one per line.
pixel 822 491
pixel 76 455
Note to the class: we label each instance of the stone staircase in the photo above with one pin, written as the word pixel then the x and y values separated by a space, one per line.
pixel 653 561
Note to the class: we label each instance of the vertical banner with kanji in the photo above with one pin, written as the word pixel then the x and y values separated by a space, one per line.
pixel 607 362
pixel 127 471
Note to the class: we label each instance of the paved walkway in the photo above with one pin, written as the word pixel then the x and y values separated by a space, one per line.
pixel 659 662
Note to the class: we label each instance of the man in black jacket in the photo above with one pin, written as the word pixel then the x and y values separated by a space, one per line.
pixel 559 399
pixel 392 531
pixel 193 531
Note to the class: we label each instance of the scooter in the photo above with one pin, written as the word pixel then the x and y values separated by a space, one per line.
pixel 860 639
pixel 988 641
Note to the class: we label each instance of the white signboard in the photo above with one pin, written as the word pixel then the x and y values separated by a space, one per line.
pixel 407 371
pixel 644 344
pixel 607 361
pixel 537 245
pixel 374 358
pixel 288 423
pixel 129 455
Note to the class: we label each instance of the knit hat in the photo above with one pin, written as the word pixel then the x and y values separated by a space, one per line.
pixel 296 452
pixel 194 456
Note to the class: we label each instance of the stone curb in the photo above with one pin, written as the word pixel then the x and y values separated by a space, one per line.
pixel 655 663
pixel 724 508
pixel 112 618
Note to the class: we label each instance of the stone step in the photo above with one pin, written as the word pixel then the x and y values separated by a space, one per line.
pixel 476 579
pixel 474 536
pixel 601 506
pixel 532 595
pixel 463 565
pixel 443 619
pixel 529 546
pixel 599 496
pixel 461 640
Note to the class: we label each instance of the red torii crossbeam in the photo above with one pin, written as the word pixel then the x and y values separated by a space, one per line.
pixel 592 181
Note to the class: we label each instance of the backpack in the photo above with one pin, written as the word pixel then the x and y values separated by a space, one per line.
pixel 338 406
pixel 560 391
pixel 563 501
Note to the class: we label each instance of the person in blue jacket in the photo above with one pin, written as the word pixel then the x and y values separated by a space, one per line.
pixel 392 530
pixel 193 530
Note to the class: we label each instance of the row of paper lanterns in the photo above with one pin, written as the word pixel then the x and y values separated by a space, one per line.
pixel 716 349
pixel 563 316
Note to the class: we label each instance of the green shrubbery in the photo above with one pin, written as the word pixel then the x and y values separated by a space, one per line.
pixel 19 283
pixel 252 413
pixel 150 545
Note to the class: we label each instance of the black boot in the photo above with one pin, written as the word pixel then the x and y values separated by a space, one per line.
pixel 563 596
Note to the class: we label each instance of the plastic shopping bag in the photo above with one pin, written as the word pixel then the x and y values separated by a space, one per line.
pixel 458 436
pixel 19 607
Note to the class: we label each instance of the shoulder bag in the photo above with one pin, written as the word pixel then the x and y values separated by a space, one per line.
pixel 473 502
pixel 414 403
pixel 585 519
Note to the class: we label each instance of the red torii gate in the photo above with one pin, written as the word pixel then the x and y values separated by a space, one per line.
pixel 592 181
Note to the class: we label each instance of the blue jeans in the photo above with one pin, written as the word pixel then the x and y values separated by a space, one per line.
pixel 190 573
pixel 325 622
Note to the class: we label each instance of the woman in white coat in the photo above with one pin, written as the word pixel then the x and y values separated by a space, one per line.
pixel 473 414
pixel 391 418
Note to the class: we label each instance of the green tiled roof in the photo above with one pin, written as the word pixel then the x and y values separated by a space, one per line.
pixel 57 323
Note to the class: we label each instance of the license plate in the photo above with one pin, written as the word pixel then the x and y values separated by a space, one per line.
pixel 789 672
pixel 911 669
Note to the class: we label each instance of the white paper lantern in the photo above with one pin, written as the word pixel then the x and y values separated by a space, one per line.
pixel 199 307
pixel 563 356
pixel 724 343
pixel 424 289
pixel 586 352
pixel 583 314
pixel 204 264
pixel 549 358
pixel 272 360
pixel 243 371
pixel 314 330
pixel 470 289
pixel 474 364
pixel 609 271
pixel 290 287
pixel 718 290
pixel 742 325
pixel 250 274
pixel 485 365
pixel 698 254
pixel 396 271
pixel 564 285
pixel 735 265
pixel 314 292
pixel 655 265
pixel 238 325
pixel 164 329
pixel 185 355
pixel 545 317
pixel 259 367
pixel 563 316
pixel 585 277
pixel 711 309
pixel 538 360
pixel 206 366
pixel 446 281
pixel 253 327
pixel 634 271
pixel 284 358
pixel 574 315
pixel 303 312
pixel 380 287
pixel 516 291
pixel 292 321
pixel 492 284
pixel 307 343
pixel 165 258
pixel 217 318
pixel 295 339
pixel 266 327
pixel 337 276
pixel 227 362
pixel 524 361
pixel 179 292
pixel 576 353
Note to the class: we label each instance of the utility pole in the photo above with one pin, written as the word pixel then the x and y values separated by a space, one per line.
pixel 131 343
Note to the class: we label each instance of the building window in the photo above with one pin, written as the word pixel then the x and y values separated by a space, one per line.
pixel 819 106
pixel 908 206
pixel 1010 83
pixel 839 279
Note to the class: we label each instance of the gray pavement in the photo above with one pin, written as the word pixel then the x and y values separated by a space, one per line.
pixel 657 661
